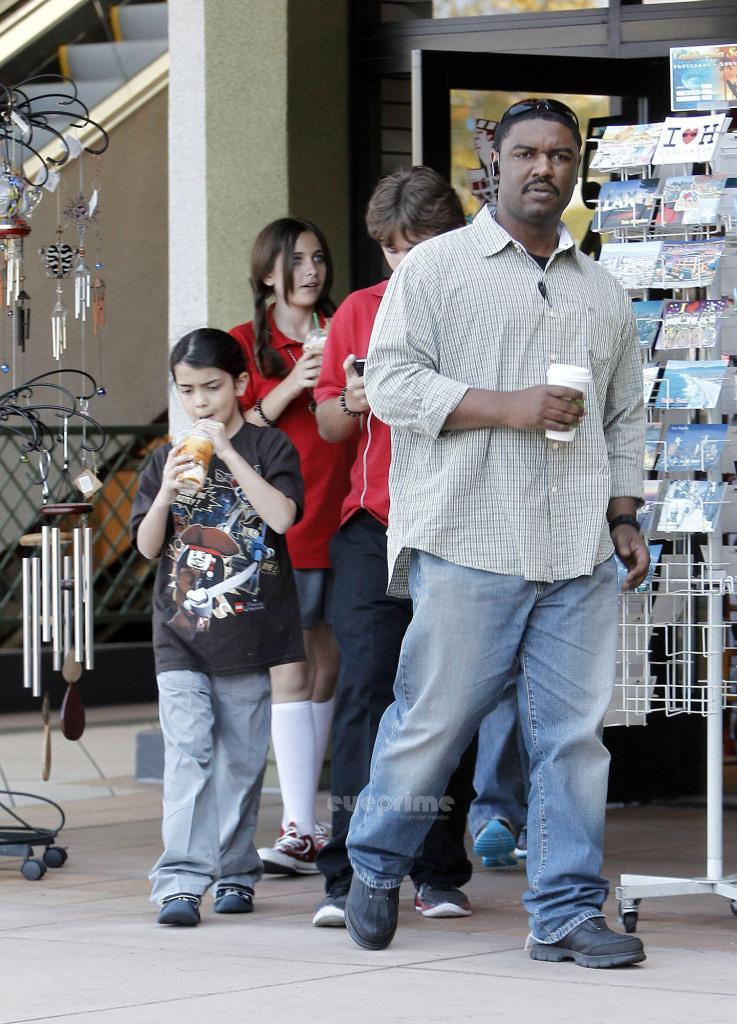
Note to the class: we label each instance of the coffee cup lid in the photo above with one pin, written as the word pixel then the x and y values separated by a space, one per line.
pixel 580 373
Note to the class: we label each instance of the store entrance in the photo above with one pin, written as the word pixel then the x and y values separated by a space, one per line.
pixel 635 88
pixel 456 95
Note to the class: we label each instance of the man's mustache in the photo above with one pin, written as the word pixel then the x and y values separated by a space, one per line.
pixel 541 181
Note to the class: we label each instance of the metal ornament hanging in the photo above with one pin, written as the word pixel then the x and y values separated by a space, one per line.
pixel 58 325
pixel 98 304
pixel 11 238
pixel 77 212
pixel 82 288
pixel 58 258
pixel 17 200
pixel 22 319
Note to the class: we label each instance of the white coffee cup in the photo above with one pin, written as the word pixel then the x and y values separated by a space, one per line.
pixel 563 375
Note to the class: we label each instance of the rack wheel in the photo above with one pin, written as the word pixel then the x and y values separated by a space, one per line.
pixel 629 920
pixel 55 857
pixel 733 907
pixel 33 869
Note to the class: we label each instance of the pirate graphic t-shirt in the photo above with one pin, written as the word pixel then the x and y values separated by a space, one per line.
pixel 224 598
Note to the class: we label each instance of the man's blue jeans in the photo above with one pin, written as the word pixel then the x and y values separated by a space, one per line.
pixel 470 632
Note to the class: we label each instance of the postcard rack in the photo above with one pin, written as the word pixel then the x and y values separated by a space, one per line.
pixel 674 642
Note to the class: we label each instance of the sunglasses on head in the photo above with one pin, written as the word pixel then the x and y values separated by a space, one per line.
pixel 525 106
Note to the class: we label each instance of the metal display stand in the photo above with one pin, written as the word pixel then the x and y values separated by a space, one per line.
pixel 685 642
pixel 685 602
pixel 19 838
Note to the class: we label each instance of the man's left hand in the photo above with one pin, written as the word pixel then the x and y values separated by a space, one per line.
pixel 632 549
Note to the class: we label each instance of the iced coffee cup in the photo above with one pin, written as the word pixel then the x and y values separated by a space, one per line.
pixel 566 376
pixel 196 443
pixel 315 340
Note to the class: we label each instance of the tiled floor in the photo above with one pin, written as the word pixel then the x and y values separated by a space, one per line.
pixel 81 946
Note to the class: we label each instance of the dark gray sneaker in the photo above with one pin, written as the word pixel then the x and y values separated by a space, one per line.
pixel 371 915
pixel 432 901
pixel 592 944
pixel 330 912
pixel 233 899
pixel 182 909
pixel 520 850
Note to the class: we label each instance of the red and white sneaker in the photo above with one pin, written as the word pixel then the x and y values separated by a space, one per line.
pixel 291 854
pixel 322 835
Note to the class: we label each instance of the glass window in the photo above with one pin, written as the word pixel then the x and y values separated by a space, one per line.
pixel 478 8
pixel 471 135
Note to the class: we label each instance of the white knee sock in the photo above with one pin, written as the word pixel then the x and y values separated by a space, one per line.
pixel 322 715
pixel 293 737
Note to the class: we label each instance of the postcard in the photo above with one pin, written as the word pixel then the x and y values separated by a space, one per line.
pixel 691 506
pixel 632 263
pixel 625 204
pixel 692 447
pixel 692 324
pixel 649 317
pixel 626 145
pixel 691 385
pixel 690 140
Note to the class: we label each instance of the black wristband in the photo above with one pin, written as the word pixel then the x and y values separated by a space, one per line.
pixel 344 407
pixel 624 521
pixel 262 414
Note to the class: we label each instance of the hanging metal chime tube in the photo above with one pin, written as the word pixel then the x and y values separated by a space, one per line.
pixel 27 625
pixel 58 326
pixel 56 581
pixel 67 604
pixel 82 288
pixel 78 592
pixel 36 625
pixel 89 607
pixel 45 583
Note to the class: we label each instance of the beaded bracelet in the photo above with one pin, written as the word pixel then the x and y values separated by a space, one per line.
pixel 344 407
pixel 259 409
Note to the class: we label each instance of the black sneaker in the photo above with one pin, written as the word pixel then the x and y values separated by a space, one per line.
pixel 233 899
pixel 371 914
pixel 183 909
pixel 592 944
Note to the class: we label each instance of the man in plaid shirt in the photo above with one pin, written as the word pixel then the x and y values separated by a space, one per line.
pixel 503 538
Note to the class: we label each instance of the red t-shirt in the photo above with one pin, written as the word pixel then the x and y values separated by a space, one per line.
pixel 325 467
pixel 350 331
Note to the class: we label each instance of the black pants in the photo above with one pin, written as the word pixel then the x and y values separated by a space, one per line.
pixel 369 627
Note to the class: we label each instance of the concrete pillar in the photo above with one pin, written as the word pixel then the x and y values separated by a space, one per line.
pixel 258 129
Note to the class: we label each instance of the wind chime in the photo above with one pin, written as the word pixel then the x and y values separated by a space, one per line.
pixel 27 127
pixel 18 199
pixel 57 563
pixel 58 258
pixel 58 606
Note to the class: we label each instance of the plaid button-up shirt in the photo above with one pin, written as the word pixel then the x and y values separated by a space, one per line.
pixel 465 310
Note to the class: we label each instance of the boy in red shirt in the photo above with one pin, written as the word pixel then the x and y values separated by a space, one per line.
pixel 406 208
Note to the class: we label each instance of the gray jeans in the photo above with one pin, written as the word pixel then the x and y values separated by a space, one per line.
pixel 216 737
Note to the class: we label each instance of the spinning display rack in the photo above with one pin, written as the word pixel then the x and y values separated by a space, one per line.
pixel 683 602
